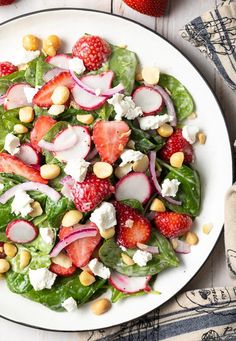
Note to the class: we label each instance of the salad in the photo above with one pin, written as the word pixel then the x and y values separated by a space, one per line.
pixel 97 186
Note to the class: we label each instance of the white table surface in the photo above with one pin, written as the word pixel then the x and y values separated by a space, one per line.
pixel 179 12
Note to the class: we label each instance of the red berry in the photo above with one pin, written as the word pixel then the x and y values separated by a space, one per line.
pixel 91 192
pixel 155 8
pixel 6 68
pixel 177 143
pixel 6 2
pixel 110 138
pixel 61 270
pixel 41 126
pixel 93 50
pixel 81 250
pixel 132 228
pixel 172 224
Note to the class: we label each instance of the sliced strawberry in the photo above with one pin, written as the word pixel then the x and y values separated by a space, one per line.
pixel 41 126
pixel 132 227
pixel 89 193
pixel 81 250
pixel 110 138
pixel 43 96
pixel 177 143
pixel 11 164
pixel 172 224
pixel 61 271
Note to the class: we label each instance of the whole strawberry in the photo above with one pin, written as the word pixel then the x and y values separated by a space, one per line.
pixel 93 50
pixel 6 68
pixel 172 224
pixel 132 227
pixel 6 2
pixel 89 193
pixel 177 143
pixel 155 8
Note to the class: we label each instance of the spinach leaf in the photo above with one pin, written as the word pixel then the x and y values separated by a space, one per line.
pixel 106 112
pixel 40 111
pixel 62 289
pixel 118 295
pixel 39 245
pixel 134 204
pixel 189 190
pixel 36 70
pixel 180 96
pixel 145 141
pixel 18 283
pixel 56 211
pixel 124 63
pixel 110 254
pixel 7 81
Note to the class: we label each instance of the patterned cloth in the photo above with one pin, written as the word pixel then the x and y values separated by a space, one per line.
pixel 214 34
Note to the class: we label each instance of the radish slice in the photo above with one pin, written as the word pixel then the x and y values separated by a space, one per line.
pixel 152 169
pixel 102 81
pixel 105 93
pixel 169 104
pixel 21 231
pixel 30 186
pixel 15 96
pixel 134 186
pixel 148 248
pixel 52 73
pixel 182 247
pixel 28 155
pixel 84 231
pixel 60 60
pixel 149 99
pixel 129 285
pixel 70 140
pixel 86 100
pixel 2 99
pixel 79 150
pixel 68 183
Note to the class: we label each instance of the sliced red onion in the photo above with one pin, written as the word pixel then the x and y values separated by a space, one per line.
pixel 151 215
pixel 30 186
pixel 152 168
pixel 148 248
pixel 169 104
pixel 2 99
pixel 72 237
pixel 67 180
pixel 92 154
pixel 104 93
pixel 182 247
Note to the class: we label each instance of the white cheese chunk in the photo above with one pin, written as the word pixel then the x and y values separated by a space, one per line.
pixel 47 235
pixel 98 269
pixel 142 257
pixel 41 278
pixel 104 216
pixel 70 304
pixel 124 106
pixel 169 188
pixel 76 65
pixel 130 155
pixel 21 203
pixel 153 122
pixel 190 133
pixel 12 144
pixel 77 169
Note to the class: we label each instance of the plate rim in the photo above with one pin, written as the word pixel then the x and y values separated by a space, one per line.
pixel 233 167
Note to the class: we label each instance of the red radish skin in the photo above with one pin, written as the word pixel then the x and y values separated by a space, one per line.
pixel 102 81
pixel 129 285
pixel 86 100
pixel 21 231
pixel 79 150
pixel 134 185
pixel 149 99
pixel 60 60
pixel 15 96
pixel 52 73
pixel 28 155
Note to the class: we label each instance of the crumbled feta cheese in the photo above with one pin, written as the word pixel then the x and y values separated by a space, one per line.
pixel 124 106
pixel 12 144
pixel 76 65
pixel 129 223
pixel 77 169
pixel 153 122
pixel 98 269
pixel 56 109
pixel 104 216
pixel 1 187
pixel 21 203
pixel 69 304
pixel 21 56
pixel 130 155
pixel 123 248
pixel 142 257
pixel 47 235
pixel 98 92
pixel 169 188
pixel 41 278
pixel 29 93
pixel 190 133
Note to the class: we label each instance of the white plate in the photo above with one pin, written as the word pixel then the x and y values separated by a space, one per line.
pixel 152 49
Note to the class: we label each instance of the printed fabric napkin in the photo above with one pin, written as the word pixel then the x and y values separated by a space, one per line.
pixel 214 34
